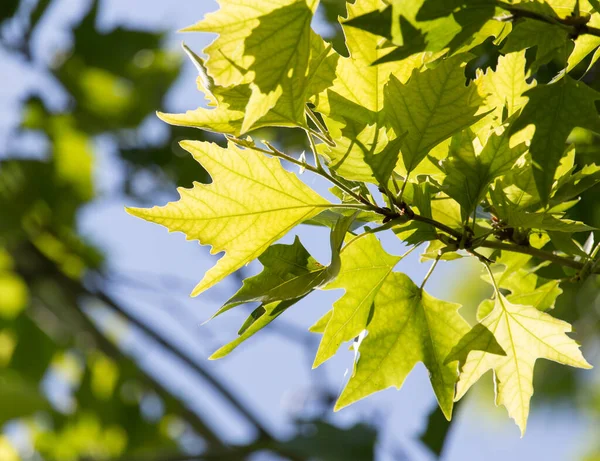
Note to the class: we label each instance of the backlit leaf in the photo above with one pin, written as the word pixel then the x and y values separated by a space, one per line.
pixel 251 203
pixel 525 335
pixel 408 326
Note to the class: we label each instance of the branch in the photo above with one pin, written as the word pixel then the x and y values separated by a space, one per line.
pixel 540 254
pixel 220 387
pixel 575 25
pixel 405 213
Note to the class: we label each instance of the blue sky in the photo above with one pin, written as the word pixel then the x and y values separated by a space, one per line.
pixel 270 372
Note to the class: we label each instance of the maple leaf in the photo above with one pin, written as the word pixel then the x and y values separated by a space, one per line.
pixel 269 47
pixel 352 105
pixel 365 266
pixel 261 317
pixel 525 334
pixel 290 273
pixel 550 41
pixel 505 86
pixel 251 203
pixel 555 109
pixel 469 173
pixel 225 113
pixel 430 108
pixel 408 326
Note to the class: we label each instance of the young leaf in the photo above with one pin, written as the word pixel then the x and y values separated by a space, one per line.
pixel 258 320
pixel 290 271
pixel 365 267
pixel 555 109
pixel 226 113
pixel 251 203
pixel 408 326
pixel 525 334
pixel 430 108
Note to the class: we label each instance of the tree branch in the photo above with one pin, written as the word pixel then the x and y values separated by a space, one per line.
pixel 576 25
pixel 206 375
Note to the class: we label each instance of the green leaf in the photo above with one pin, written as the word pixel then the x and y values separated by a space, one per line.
pixel 269 46
pixel 365 267
pixel 408 326
pixel 228 104
pixel 576 183
pixel 525 286
pixel 251 203
pixel 586 43
pixel 419 197
pixel 470 170
pixel 352 105
pixel 511 216
pixel 431 107
pixel 506 85
pixel 550 41
pixel 434 25
pixel 555 109
pixel 259 319
pixel 525 334
pixel 290 271
pixel 320 325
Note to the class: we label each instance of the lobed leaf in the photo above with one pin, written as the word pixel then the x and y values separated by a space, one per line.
pixel 251 203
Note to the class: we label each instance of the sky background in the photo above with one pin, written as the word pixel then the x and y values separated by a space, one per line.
pixel 270 371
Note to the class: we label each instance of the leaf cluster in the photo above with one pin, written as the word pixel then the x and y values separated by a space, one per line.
pixel 439 126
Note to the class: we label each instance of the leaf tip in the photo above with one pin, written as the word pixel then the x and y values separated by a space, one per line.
pixel 137 212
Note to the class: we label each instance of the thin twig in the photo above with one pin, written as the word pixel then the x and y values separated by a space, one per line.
pixel 430 271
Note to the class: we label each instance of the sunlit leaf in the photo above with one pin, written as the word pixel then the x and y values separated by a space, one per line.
pixel 251 203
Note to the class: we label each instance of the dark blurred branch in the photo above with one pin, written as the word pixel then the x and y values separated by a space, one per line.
pixel 206 375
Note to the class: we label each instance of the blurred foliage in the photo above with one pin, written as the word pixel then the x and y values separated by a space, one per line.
pixel 67 380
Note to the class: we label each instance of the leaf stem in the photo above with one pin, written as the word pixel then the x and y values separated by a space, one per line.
pixel 313 117
pixel 313 147
pixel 430 271
pixel 491 274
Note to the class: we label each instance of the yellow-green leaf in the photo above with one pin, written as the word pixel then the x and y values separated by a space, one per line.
pixel 431 107
pixel 352 104
pixel 408 326
pixel 365 267
pixel 268 46
pixel 251 203
pixel 555 109
pixel 526 335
